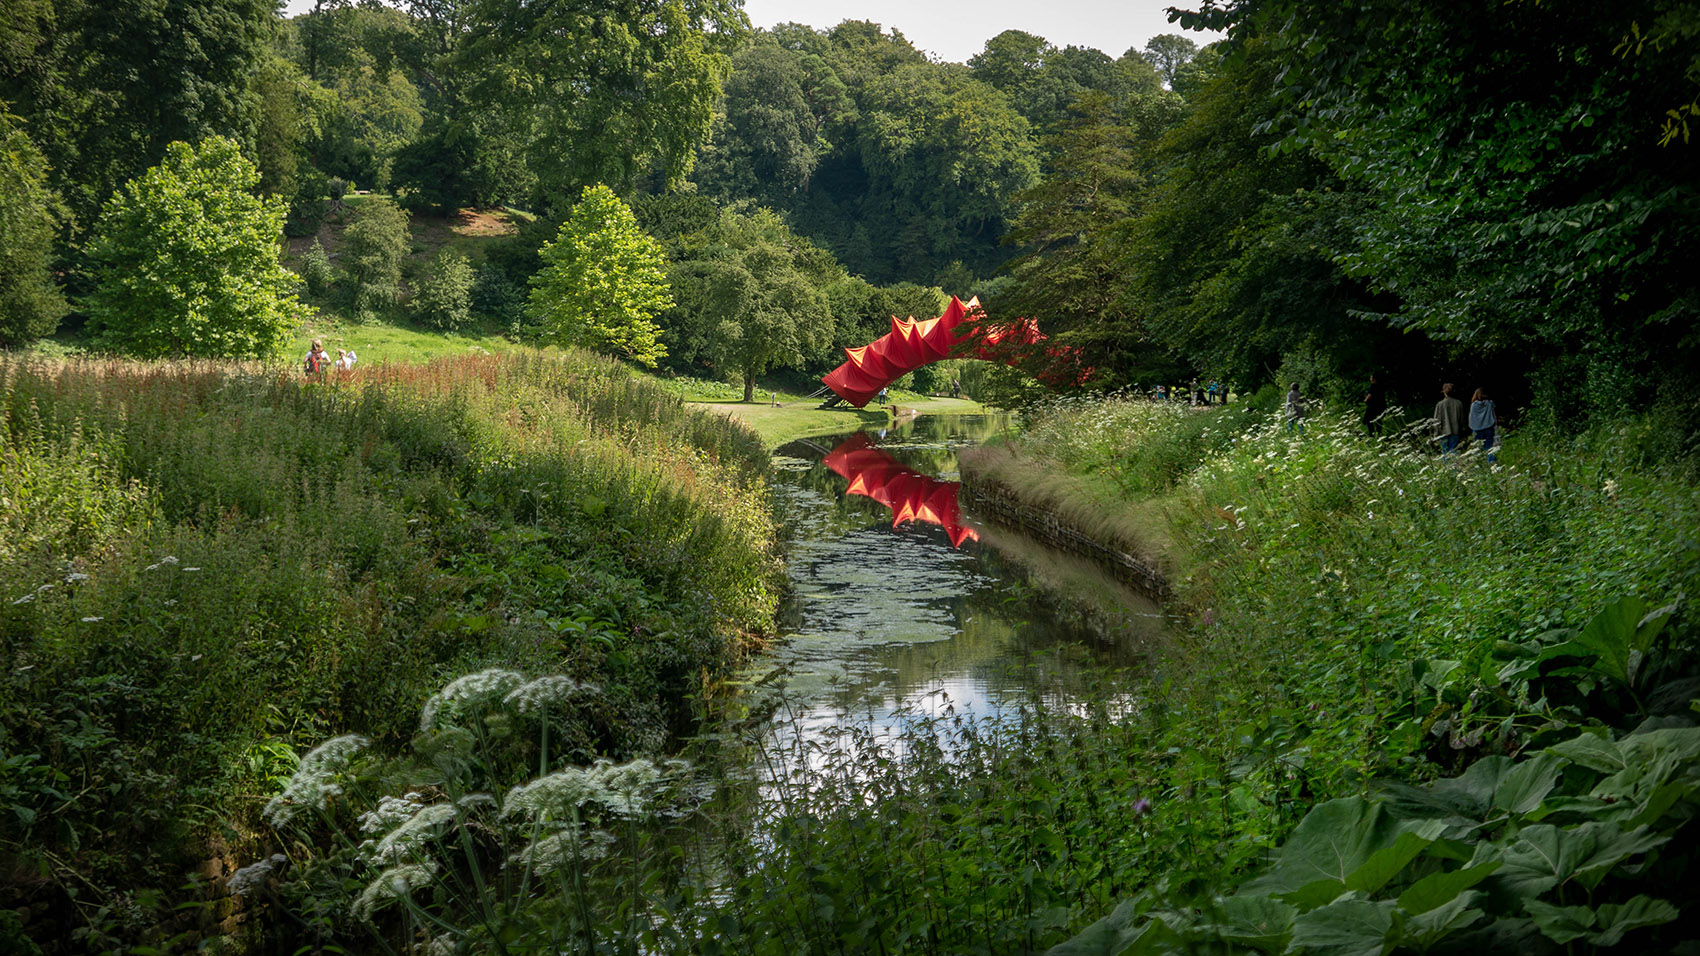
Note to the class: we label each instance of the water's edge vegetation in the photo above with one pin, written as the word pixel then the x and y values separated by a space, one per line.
pixel 407 661
pixel 207 569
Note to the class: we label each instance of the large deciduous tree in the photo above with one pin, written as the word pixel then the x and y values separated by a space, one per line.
pixel 186 260
pixel 107 85
pixel 30 301
pixel 1521 193
pixel 608 91
pixel 603 281
pixel 751 297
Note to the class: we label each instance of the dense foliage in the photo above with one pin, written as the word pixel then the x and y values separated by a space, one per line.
pixel 602 281
pixel 207 569
pixel 186 260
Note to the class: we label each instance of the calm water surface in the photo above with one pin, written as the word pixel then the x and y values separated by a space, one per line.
pixel 937 610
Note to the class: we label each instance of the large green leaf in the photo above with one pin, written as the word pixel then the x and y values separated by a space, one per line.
pixel 1129 930
pixel 1346 928
pixel 1469 795
pixel 1424 930
pixel 1593 751
pixel 1437 889
pixel 1524 787
pixel 1620 636
pixel 1545 856
pixel 1342 842
pixel 1605 926
pixel 1260 922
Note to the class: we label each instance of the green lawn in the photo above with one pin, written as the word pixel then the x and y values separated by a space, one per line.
pixel 379 341
pixel 798 417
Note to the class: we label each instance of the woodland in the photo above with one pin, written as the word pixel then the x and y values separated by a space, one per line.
pixel 439 656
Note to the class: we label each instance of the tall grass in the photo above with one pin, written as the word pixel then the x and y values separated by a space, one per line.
pixel 205 569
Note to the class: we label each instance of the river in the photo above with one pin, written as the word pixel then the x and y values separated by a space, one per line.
pixel 904 604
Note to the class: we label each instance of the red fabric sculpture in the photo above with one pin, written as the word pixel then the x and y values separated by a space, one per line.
pixel 911 344
pixel 910 496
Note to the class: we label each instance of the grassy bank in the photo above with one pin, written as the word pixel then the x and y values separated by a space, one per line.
pixel 206 569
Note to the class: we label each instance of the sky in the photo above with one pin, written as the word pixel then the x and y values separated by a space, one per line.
pixel 957 29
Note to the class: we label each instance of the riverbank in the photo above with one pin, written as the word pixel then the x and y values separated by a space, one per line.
pixel 1351 606
pixel 209 569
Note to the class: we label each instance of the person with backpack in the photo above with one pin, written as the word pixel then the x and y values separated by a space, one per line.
pixel 317 359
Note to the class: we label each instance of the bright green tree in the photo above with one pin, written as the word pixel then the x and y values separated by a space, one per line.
pixel 603 281
pixel 186 260
pixel 372 249
pixel 30 302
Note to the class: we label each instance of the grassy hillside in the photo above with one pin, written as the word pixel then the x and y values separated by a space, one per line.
pixel 205 569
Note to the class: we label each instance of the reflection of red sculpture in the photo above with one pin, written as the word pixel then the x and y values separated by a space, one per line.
pixel 909 495
pixel 911 344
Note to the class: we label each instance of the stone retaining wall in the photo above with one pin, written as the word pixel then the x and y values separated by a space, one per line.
pixel 992 501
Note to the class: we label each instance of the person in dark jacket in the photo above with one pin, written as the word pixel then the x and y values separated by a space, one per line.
pixel 1375 406
pixel 1449 420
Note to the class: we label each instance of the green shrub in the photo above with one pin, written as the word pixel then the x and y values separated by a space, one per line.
pixel 443 296
pixel 316 270
pixel 372 249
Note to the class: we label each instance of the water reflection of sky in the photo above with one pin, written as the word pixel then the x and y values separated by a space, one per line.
pixel 891 624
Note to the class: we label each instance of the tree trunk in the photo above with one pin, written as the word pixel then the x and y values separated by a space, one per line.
pixel 749 387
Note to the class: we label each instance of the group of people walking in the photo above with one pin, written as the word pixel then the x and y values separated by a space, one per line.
pixel 318 360
pixel 1452 422
pixel 1209 393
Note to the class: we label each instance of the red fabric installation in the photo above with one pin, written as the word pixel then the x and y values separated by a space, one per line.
pixel 911 344
pixel 910 496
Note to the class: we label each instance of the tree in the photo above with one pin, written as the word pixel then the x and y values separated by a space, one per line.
pixel 443 299
pixel 108 85
pixel 1071 276
pixel 1520 195
pixel 603 281
pixel 373 246
pixel 1168 52
pixel 608 92
pixel 316 271
pixel 751 298
pixel 30 301
pixel 186 260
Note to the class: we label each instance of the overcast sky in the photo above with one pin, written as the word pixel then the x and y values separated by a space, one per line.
pixel 958 29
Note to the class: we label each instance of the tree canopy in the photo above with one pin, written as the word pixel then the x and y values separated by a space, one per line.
pixel 603 281
pixel 186 259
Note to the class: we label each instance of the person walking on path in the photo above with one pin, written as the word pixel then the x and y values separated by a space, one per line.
pixel 1482 421
pixel 1449 419
pixel 1375 406
pixel 1295 410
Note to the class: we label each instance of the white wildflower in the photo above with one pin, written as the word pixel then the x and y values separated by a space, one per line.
pixel 93 620
pixel 552 797
pixel 314 780
pixel 474 690
pixel 75 577
pixel 389 812
pixel 251 877
pixel 441 946
pixel 562 849
pixel 405 841
pixel 168 559
pixel 392 884
pixel 544 693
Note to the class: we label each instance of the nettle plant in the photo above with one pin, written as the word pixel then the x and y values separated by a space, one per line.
pixel 477 842
pixel 1578 844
